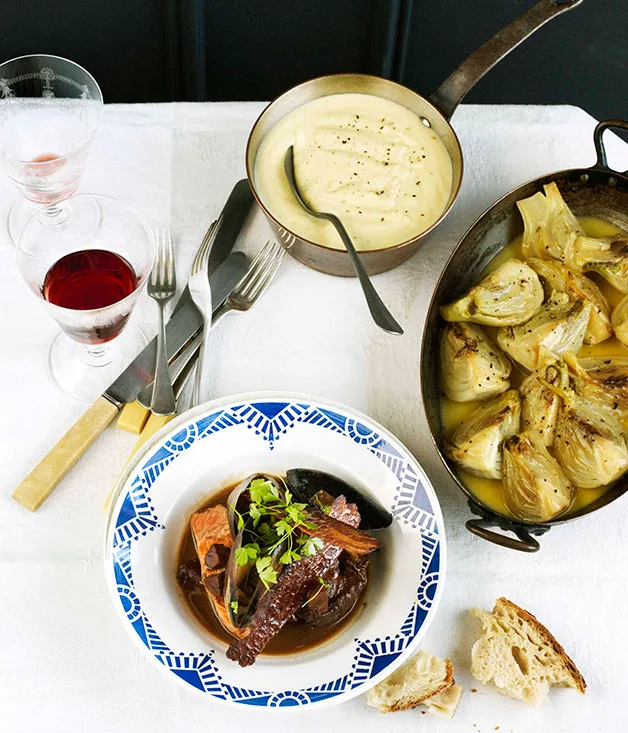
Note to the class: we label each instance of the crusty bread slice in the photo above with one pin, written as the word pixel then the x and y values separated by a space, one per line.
pixel 416 681
pixel 444 703
pixel 520 656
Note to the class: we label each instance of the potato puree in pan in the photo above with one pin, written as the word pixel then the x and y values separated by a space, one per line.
pixel 364 158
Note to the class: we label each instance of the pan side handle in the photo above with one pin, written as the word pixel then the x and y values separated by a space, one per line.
pixel 602 161
pixel 524 542
pixel 451 92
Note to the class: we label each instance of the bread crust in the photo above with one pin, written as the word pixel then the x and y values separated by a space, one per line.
pixel 578 680
pixel 446 684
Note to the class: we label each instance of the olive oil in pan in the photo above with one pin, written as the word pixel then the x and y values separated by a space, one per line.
pixel 292 639
pixel 453 414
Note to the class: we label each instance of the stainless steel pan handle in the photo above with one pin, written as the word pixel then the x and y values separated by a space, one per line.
pixel 451 92
pixel 602 161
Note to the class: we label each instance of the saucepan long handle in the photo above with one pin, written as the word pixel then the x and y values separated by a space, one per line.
pixel 451 92
pixel 599 142
pixel 524 542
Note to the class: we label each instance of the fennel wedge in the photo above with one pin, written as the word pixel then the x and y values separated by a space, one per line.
pixel 508 296
pixel 476 445
pixel 550 228
pixel 590 442
pixel 569 359
pixel 535 486
pixel 472 367
pixel 539 404
pixel 557 277
pixel 559 326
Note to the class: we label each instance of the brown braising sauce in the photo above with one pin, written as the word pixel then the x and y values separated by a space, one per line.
pixel 292 639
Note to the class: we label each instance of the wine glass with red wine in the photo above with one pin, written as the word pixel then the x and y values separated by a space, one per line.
pixel 90 280
pixel 50 109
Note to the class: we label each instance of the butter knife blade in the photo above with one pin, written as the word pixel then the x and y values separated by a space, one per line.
pixel 185 321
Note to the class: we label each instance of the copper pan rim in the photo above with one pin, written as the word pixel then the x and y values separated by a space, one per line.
pixel 408 243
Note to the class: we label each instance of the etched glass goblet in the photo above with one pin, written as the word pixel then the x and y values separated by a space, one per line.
pixel 50 109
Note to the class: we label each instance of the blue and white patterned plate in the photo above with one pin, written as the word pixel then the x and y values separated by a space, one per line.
pixel 221 442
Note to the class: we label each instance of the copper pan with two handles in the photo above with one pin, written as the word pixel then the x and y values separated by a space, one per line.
pixel 598 192
pixel 435 112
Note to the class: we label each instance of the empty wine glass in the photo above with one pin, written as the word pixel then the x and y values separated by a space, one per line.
pixel 50 109
pixel 90 280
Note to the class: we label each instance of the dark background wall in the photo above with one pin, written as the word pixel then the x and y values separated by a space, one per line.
pixel 161 50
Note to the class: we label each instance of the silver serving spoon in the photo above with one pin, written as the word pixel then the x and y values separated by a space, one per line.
pixel 381 315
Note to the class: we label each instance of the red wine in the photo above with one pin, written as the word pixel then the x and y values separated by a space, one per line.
pixel 90 279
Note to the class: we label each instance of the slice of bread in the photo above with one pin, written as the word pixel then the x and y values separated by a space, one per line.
pixel 418 680
pixel 444 704
pixel 520 656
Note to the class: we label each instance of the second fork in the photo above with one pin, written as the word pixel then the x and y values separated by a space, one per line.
pixel 162 286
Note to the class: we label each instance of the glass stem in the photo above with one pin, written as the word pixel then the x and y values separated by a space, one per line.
pixel 97 355
pixel 56 213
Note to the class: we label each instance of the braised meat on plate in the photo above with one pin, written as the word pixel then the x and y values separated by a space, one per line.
pixel 279 559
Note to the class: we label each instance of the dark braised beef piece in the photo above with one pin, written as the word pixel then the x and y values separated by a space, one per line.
pixel 189 575
pixel 331 603
pixel 295 584
pixel 216 557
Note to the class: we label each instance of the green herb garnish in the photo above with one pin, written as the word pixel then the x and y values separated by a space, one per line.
pixel 266 574
pixel 275 521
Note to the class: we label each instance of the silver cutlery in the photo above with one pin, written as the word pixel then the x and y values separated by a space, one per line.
pixel 202 297
pixel 162 286
pixel 380 313
pixel 224 279
pixel 184 323
pixel 262 270
pixel 248 290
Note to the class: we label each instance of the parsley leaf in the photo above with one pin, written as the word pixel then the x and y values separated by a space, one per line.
pixel 311 545
pixel 266 574
pixel 283 527
pixel 289 556
pixel 247 554
pixel 274 520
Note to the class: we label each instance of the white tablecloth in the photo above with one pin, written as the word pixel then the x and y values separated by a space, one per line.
pixel 66 663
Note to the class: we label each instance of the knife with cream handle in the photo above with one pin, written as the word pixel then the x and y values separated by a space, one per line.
pixel 185 322
pixel 181 369
pixel 41 481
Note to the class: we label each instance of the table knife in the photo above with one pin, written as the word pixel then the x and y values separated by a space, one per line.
pixel 42 480
pixel 227 275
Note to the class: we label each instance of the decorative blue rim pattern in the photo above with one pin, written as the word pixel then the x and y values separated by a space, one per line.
pixel 135 517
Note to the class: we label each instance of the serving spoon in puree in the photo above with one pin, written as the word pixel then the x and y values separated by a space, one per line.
pixel 380 313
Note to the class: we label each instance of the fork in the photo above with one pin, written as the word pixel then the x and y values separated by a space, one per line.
pixel 257 278
pixel 261 271
pixel 202 297
pixel 162 285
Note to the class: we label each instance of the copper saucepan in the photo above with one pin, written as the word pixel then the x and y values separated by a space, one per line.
pixel 598 192
pixel 435 112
